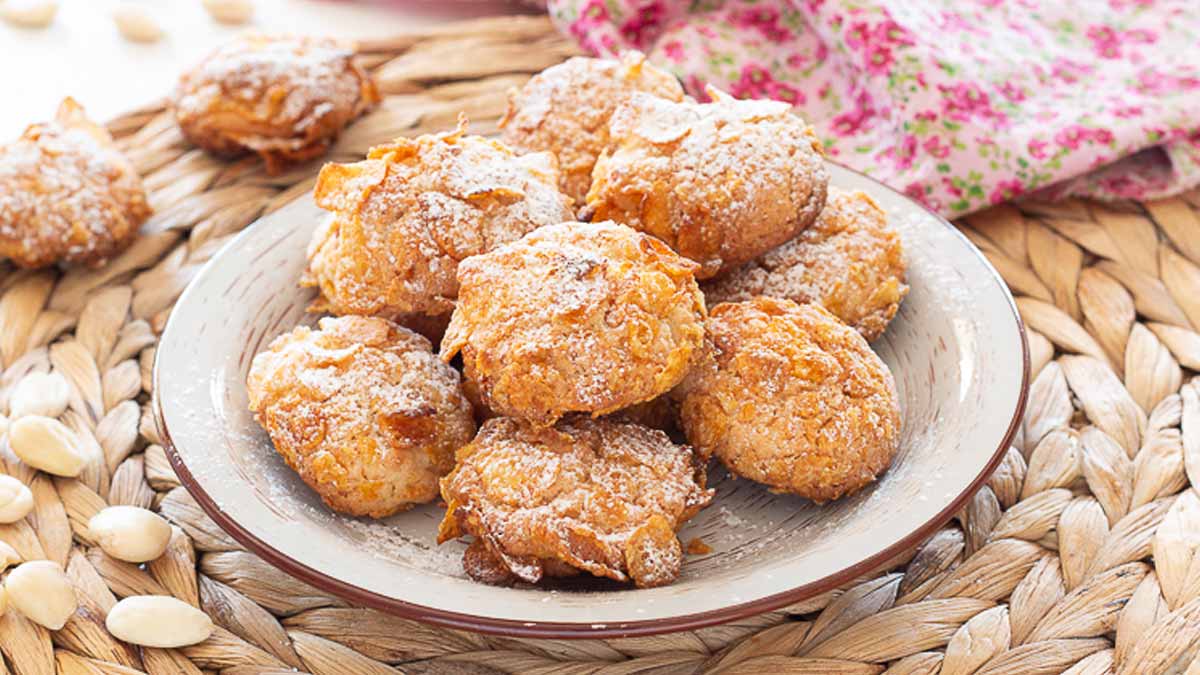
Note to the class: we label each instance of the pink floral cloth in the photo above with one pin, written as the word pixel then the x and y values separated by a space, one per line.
pixel 959 103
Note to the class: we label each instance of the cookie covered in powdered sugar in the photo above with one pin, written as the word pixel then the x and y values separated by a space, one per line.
pixel 601 496
pixel 575 317
pixel 284 98
pixel 406 216
pixel 363 410
pixel 791 397
pixel 720 183
pixel 565 109
pixel 850 260
pixel 67 194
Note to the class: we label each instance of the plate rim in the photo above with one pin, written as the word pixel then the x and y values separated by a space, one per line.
pixel 583 630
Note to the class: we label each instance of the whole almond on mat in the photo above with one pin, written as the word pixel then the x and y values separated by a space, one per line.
pixel 130 533
pixel 48 445
pixel 16 501
pixel 42 394
pixel 41 591
pixel 158 621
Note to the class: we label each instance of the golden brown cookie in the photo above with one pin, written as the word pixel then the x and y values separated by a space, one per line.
pixel 565 109
pixel 363 411
pixel 575 317
pixel 67 194
pixel 850 261
pixel 284 98
pixel 406 216
pixel 602 496
pixel 721 183
pixel 792 398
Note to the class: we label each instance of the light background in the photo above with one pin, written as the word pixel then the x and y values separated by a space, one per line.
pixel 82 55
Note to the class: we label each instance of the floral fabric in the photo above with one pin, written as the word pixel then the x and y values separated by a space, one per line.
pixel 958 103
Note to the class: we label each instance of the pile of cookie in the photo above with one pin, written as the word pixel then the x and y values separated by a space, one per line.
pixel 625 284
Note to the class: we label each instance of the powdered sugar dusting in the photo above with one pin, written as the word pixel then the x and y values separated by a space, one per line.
pixel 391 543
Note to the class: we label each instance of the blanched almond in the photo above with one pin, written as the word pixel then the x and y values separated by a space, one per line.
pixel 29 13
pixel 43 394
pixel 136 24
pixel 158 621
pixel 230 11
pixel 16 501
pixel 47 444
pixel 130 533
pixel 8 556
pixel 41 591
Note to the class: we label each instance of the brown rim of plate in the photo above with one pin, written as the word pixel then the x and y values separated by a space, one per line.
pixel 563 630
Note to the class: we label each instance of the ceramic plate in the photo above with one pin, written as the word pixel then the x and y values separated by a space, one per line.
pixel 957 349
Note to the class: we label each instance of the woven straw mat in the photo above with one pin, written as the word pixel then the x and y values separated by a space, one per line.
pixel 1081 555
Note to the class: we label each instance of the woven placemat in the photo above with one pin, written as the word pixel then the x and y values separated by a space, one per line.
pixel 1080 555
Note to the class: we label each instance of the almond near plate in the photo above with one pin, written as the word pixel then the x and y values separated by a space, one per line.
pixel 957 349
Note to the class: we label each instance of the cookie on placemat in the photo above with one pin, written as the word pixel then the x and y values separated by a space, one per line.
pixel 284 98
pixel 67 194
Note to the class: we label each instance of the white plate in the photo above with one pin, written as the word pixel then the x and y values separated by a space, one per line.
pixel 957 349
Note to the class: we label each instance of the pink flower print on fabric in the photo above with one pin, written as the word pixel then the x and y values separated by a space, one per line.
pixel 960 104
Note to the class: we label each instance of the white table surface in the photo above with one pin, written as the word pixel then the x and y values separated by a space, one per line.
pixel 82 55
